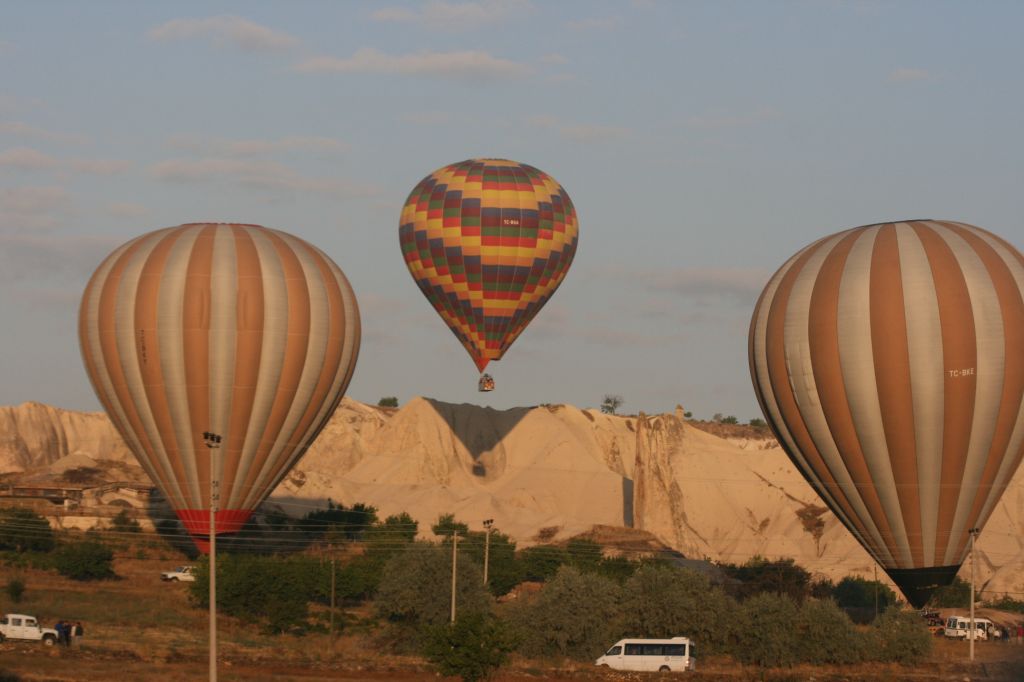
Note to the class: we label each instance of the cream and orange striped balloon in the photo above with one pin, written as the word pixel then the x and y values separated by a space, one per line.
pixel 235 330
pixel 889 360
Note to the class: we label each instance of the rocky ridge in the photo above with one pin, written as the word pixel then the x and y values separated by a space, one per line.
pixel 548 471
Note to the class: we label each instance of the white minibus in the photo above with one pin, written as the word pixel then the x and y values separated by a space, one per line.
pixel 664 655
pixel 960 627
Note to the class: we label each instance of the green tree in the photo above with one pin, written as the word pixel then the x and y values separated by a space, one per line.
pixel 270 590
pixel 22 530
pixel 770 638
pixel 472 648
pixel 730 420
pixel 85 560
pixel 415 587
pixel 446 525
pixel 611 403
pixel 575 615
pixel 759 575
pixel 339 522
pixel 854 592
pixel 584 554
pixel 662 601
pixel 123 523
pixel 827 635
pixel 758 423
pixel 15 589
pixel 389 401
pixel 901 637
pixel 503 569
pixel 955 595
pixel 541 562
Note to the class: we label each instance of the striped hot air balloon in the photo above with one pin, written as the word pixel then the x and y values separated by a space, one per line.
pixel 889 360
pixel 488 242
pixel 232 336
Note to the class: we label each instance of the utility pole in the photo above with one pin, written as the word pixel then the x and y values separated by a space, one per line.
pixel 487 545
pixel 455 546
pixel 212 441
pixel 333 573
pixel 972 633
pixel 876 591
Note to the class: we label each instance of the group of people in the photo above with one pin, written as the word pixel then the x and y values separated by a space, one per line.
pixel 67 630
pixel 1006 633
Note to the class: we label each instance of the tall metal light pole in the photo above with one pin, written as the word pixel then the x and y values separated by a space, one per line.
pixel 455 546
pixel 212 441
pixel 972 633
pixel 487 545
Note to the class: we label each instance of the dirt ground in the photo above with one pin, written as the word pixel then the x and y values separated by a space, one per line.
pixel 994 661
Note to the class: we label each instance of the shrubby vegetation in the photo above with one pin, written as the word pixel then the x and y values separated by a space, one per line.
pixel 22 530
pixel 955 595
pixel 85 560
pixel 472 648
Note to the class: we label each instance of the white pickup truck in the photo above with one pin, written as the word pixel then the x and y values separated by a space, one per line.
pixel 185 574
pixel 20 626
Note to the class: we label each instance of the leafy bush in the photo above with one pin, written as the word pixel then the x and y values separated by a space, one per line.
pixel 769 637
pixel 415 588
pixel 389 401
pixel 348 523
pixel 446 525
pixel 955 595
pixel 661 601
pixel 901 637
pixel 472 648
pixel 1007 603
pixel 575 615
pixel 827 635
pixel 22 530
pixel 15 589
pixel 503 568
pixel 122 523
pixel 85 560
pixel 270 590
pixel 541 562
pixel 759 575
pixel 854 592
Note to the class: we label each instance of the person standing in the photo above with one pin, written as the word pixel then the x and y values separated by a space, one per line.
pixel 1020 633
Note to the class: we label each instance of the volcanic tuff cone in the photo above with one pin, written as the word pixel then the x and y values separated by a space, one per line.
pixel 552 471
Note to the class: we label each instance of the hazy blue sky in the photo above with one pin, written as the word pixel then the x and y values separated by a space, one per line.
pixel 702 143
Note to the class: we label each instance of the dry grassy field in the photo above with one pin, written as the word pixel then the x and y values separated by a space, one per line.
pixel 138 628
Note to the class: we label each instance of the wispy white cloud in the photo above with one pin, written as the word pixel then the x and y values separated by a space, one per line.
pixel 264 175
pixel 28 159
pixel 457 16
pixel 905 75
pixel 24 130
pixel 33 208
pixel 224 31
pixel 595 24
pixel 472 64
pixel 51 268
pixel 257 147
pixel 732 120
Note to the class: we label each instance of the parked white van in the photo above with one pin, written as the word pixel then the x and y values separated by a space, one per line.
pixel 960 626
pixel 663 655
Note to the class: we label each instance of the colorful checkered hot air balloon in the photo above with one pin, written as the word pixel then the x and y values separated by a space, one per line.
pixel 488 241
pixel 889 360
pixel 234 337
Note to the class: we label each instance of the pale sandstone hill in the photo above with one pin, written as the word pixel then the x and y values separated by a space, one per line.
pixel 552 468
pixel 36 435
